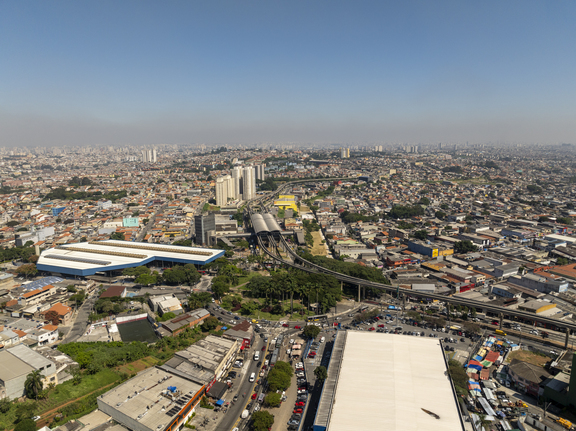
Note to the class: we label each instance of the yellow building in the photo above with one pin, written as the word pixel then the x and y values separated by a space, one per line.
pixel 286 202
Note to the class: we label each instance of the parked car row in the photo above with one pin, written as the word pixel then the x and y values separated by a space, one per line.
pixel 301 399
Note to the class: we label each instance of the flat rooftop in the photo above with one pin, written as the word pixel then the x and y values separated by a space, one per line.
pixel 88 258
pixel 385 381
pixel 143 399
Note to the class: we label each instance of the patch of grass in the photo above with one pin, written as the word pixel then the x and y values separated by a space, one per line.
pixel 534 358
pixel 137 366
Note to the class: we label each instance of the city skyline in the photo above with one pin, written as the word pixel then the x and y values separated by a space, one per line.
pixel 141 73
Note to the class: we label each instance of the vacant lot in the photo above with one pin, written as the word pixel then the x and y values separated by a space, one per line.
pixel 137 366
pixel 318 249
pixel 530 357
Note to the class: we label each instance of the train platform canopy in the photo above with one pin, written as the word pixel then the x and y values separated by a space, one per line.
pixel 88 258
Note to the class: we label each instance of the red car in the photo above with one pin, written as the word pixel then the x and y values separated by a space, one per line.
pixel 285 325
pixel 380 326
pixel 297 327
pixel 495 323
pixel 371 329
pixel 335 323
pixel 254 395
pixel 311 355
pixel 263 348
pixel 300 404
pixel 298 411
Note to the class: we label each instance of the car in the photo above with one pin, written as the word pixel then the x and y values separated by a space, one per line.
pixel 371 328
pixel 462 340
pixel 263 348
pixel 254 395
pixel 236 317
pixel 259 364
pixel 285 325
pixel 300 404
pixel 296 417
pixel 381 326
pixel 293 423
pixel 298 410
pixel 235 398
pixel 36 418
pixel 297 327
pixel 302 391
pixel 257 407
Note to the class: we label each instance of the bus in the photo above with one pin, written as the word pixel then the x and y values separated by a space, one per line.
pixel 316 318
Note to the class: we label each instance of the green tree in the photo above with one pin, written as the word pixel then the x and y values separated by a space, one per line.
pixel 311 331
pixel 210 324
pixel 421 234
pixel 464 247
pixel 321 373
pixel 26 425
pixel 273 399
pixel 424 201
pixel 27 270
pixel 199 300
pixel 261 421
pixel 117 236
pixel 5 405
pixel 33 384
pixel 562 261
pixel 280 376
pixel 249 308
pixel 441 215
pixel 166 316
pixel 564 220
pixel 146 279
pixel 25 410
pixel 458 376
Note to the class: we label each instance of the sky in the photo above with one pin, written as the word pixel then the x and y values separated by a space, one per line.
pixel 212 71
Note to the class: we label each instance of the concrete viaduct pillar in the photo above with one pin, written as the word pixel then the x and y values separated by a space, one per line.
pixel 501 316
pixel 567 339
pixel 358 293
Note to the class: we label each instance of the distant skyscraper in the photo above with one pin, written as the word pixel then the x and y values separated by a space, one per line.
pixel 249 183
pixel 149 156
pixel 224 190
pixel 345 153
pixel 260 175
pixel 237 178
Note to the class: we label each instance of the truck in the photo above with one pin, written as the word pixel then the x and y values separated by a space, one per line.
pixel 500 332
pixel 564 423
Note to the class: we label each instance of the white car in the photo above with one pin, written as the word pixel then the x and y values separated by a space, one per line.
pixel 534 331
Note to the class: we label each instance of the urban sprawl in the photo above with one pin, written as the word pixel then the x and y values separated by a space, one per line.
pixel 288 287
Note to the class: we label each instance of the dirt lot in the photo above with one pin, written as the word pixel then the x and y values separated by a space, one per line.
pixel 318 249
pixel 137 366
pixel 527 356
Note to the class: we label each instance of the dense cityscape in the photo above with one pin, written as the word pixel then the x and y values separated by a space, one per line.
pixel 287 216
pixel 257 278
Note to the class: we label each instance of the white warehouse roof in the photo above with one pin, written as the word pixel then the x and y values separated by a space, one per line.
pixel 87 258
pixel 386 380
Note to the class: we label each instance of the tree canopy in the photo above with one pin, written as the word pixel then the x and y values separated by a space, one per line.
pixel 464 247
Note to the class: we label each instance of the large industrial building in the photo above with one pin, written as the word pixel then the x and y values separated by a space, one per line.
pixel 15 365
pixel 82 259
pixel 389 382
pixel 154 400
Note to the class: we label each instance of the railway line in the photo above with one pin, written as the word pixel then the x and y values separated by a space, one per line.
pixel 308 266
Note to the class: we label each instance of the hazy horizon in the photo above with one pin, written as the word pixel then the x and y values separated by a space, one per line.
pixel 142 72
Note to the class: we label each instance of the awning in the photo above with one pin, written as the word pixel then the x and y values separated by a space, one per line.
pixel 219 402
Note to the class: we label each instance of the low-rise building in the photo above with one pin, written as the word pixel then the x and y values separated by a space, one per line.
pixel 153 400
pixel 191 319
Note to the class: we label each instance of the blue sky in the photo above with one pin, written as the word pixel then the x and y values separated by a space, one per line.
pixel 141 72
